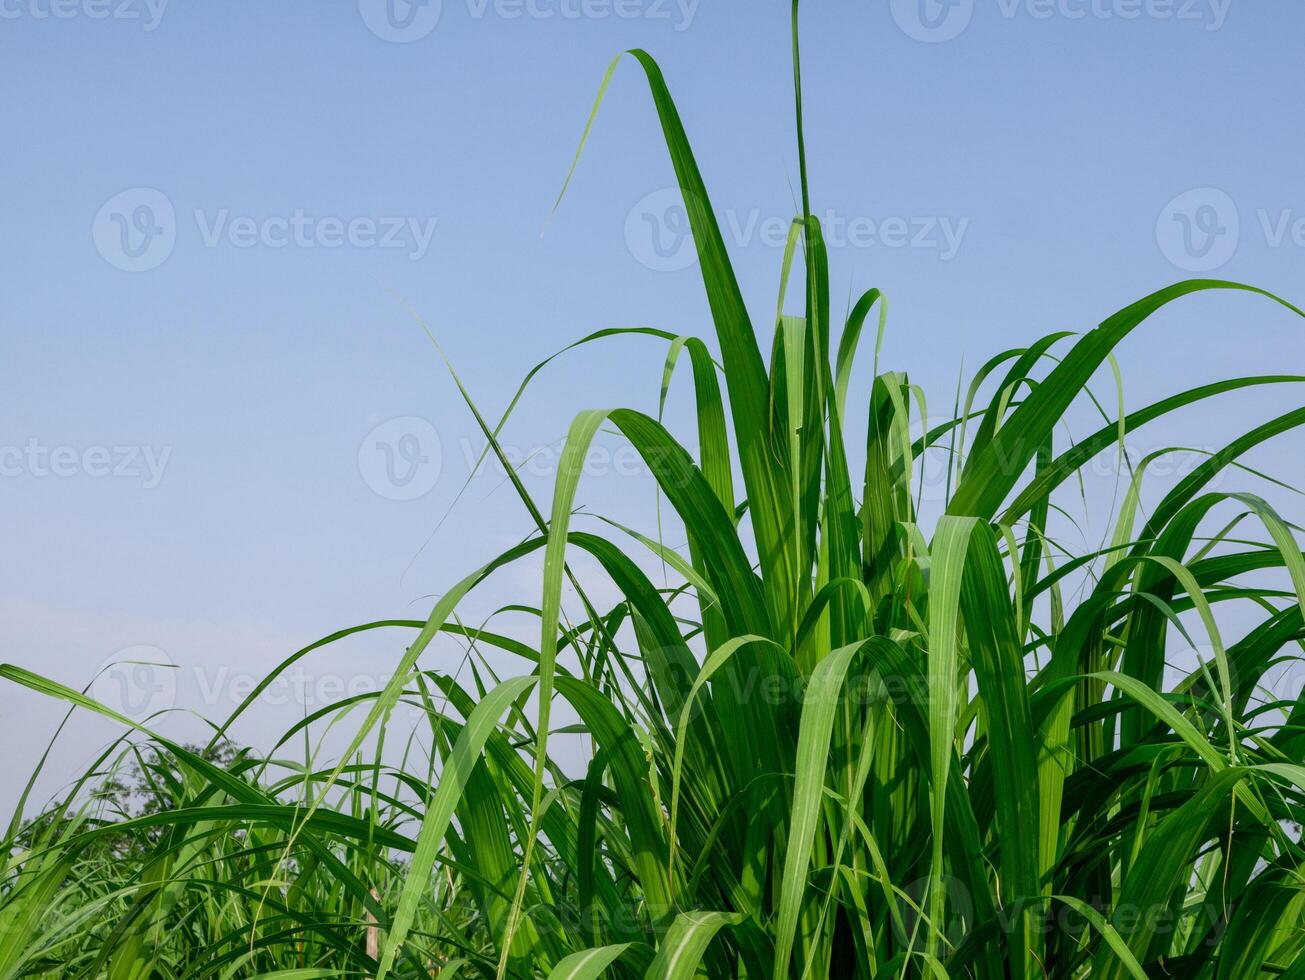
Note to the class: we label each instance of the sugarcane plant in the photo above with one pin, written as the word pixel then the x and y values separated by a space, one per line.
pixel 837 740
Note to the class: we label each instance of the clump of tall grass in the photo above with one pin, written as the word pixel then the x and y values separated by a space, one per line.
pixel 843 744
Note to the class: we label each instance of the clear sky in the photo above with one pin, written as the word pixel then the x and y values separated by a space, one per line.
pixel 214 214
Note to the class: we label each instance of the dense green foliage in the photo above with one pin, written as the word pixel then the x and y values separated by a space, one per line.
pixel 844 745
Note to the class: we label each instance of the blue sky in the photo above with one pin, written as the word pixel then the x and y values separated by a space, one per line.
pixel 218 215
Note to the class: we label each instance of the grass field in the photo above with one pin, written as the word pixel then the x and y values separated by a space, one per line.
pixel 841 744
